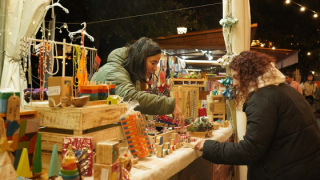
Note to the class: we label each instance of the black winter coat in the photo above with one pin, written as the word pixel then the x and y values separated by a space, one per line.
pixel 282 141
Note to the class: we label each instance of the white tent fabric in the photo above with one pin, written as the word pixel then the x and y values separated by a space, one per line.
pixel 20 15
pixel 241 42
pixel 240 34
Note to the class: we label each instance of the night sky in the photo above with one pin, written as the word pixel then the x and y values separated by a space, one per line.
pixel 283 24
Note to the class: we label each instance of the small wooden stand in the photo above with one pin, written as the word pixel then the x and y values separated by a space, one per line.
pixel 216 107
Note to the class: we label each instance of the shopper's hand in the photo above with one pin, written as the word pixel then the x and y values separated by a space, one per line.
pixel 199 145
pixel 177 114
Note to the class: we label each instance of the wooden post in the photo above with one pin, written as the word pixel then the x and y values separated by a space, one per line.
pixel 64 58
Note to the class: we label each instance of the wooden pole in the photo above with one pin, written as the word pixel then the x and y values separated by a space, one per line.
pixel 64 58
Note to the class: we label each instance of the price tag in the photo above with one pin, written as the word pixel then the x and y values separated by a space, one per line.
pixel 139 127
pixel 104 173
pixel 13 108
pixel 54 90
pixel 2 129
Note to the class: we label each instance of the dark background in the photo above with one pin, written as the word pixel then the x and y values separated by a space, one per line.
pixel 283 24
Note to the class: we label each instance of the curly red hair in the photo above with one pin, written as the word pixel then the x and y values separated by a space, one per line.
pixel 249 65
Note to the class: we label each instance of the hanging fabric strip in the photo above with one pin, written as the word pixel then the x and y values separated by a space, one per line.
pixel 82 73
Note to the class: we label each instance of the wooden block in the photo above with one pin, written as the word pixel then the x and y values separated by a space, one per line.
pixel 6 168
pixel 107 172
pixel 159 140
pixel 166 145
pixel 166 136
pixel 107 152
pixel 173 147
pixel 160 151
pixel 226 124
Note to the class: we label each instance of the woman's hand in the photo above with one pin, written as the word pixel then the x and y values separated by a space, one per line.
pixel 177 114
pixel 199 145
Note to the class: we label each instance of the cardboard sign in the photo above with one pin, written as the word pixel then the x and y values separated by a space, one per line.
pixel 54 90
pixel 13 108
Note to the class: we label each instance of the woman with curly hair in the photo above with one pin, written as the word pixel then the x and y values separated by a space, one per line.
pixel 282 140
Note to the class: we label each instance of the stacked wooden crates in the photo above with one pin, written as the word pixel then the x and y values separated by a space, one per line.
pixel 100 122
pixel 216 107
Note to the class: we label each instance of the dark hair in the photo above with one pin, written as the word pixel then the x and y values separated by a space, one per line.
pixel 249 65
pixel 137 55
pixel 289 74
pixel 310 74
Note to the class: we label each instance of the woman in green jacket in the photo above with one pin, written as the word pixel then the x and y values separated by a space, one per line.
pixel 128 66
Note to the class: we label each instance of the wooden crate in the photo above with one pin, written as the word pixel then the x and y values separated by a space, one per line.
pixel 111 132
pixel 79 119
pixel 191 82
pixel 216 106
pixel 102 122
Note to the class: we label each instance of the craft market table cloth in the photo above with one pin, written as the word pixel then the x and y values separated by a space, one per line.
pixel 164 168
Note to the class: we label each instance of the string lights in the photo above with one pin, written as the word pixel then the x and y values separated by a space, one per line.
pixel 303 8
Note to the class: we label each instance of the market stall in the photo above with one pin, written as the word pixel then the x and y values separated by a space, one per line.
pixel 77 127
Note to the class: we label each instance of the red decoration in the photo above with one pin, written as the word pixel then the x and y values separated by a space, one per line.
pixel 79 143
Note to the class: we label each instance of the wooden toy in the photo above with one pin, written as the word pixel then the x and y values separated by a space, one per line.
pixel 6 169
pixel 160 152
pixel 54 163
pixel 107 172
pixel 69 168
pixel 167 146
pixel 226 124
pixel 107 152
pixel 23 166
pixel 37 165
pixel 159 140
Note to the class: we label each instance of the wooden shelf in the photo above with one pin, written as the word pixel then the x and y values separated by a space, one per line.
pixel 31 113
pixel 186 79
pixel 213 78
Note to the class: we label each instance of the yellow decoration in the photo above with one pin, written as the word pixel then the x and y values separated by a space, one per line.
pixel 23 166
pixel 5 145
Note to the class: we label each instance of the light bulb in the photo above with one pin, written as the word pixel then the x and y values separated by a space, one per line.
pixel 60 31
pixel 315 15
pixel 10 33
pixel 33 22
pixel 273 48
pixel 309 53
pixel 262 45
pixel 302 8
pixel 49 34
pixel 288 1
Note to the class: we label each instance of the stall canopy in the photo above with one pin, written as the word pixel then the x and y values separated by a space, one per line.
pixel 188 47
pixel 22 20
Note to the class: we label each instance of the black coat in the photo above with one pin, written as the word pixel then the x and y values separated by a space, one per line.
pixel 282 139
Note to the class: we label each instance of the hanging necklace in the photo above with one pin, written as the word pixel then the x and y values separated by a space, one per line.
pixel 188 105
pixel 194 104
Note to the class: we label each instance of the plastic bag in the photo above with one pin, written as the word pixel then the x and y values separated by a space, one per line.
pixel 135 132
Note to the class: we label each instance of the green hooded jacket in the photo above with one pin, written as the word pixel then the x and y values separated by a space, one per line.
pixel 114 72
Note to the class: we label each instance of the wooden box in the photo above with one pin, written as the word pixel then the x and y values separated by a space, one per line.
pixel 107 152
pixel 59 87
pixel 201 134
pixel 100 122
